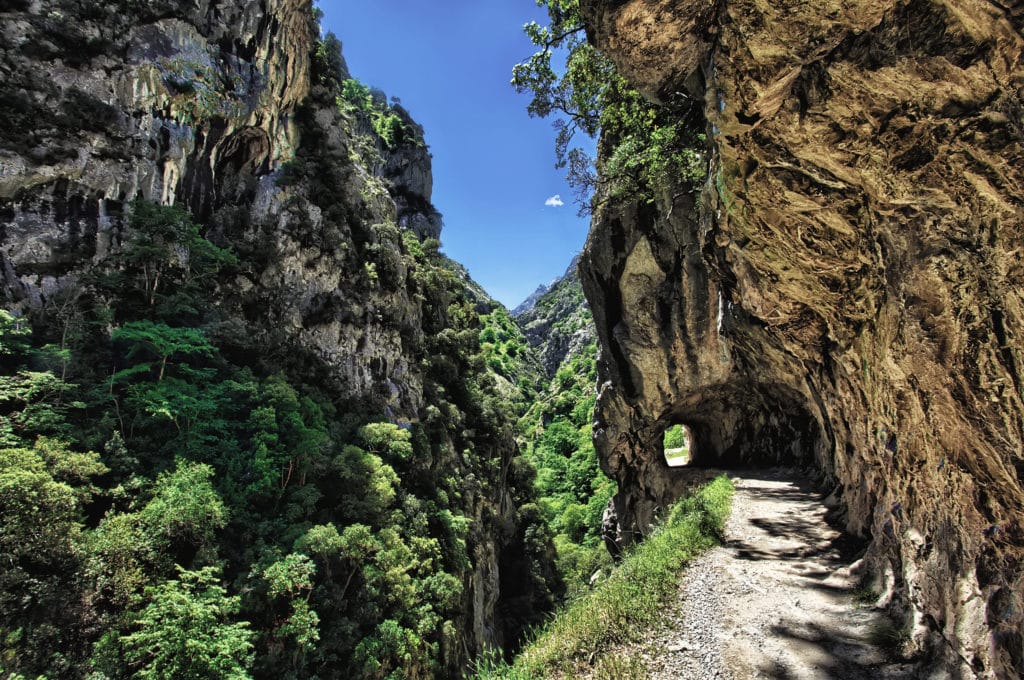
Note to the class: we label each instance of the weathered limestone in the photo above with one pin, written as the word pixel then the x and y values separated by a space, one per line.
pixel 844 293
pixel 202 104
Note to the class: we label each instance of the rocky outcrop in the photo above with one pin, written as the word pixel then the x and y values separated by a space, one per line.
pixel 845 291
pixel 219 106
pixel 557 321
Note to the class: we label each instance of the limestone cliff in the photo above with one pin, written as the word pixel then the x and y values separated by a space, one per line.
pixel 221 107
pixel 845 291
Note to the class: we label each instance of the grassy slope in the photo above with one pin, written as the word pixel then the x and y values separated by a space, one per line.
pixel 630 600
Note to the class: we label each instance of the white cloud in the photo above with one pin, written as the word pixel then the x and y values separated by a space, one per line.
pixel 555 201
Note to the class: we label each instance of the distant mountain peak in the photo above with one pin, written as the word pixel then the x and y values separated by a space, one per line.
pixel 530 302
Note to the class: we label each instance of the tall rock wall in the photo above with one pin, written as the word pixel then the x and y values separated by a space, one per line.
pixel 845 291
pixel 217 105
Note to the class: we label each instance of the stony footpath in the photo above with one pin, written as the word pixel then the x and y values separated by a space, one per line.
pixel 776 601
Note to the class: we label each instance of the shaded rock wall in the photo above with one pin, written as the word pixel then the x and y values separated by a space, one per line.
pixel 845 291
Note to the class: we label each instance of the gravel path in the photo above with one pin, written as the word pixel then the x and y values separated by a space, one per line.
pixel 773 602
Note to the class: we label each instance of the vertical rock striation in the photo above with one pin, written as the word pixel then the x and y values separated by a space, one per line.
pixel 845 291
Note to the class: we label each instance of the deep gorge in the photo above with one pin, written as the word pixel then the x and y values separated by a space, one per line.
pixel 261 387
pixel 224 300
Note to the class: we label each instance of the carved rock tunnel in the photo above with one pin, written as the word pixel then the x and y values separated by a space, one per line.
pixel 728 427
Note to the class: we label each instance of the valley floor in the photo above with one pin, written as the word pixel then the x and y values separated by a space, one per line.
pixel 775 601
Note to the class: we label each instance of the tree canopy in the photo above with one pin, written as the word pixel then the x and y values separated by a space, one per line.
pixel 642 143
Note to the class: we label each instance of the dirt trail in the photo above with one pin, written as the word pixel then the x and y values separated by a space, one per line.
pixel 775 601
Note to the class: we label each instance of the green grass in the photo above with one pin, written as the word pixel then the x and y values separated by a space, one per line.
pixel 630 600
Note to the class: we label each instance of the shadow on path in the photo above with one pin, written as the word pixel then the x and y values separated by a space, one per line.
pixel 788 561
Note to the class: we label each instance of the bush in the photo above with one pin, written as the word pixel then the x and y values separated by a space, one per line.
pixel 675 437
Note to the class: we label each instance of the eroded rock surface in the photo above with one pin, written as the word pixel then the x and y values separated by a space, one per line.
pixel 845 291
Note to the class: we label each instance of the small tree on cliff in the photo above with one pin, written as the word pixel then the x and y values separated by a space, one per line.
pixel 642 144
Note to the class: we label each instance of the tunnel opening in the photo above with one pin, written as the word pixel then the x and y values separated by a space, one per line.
pixel 729 428
pixel 676 445
pixel 759 426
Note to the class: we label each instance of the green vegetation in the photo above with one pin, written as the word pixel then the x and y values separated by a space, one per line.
pixel 630 600
pixel 187 615
pixel 676 445
pixel 242 520
pixel 565 301
pixel 186 492
pixel 642 144
pixel 388 125
pixel 675 437
pixel 572 491
pixel 509 355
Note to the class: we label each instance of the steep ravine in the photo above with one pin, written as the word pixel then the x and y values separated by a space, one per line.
pixel 232 109
pixel 845 291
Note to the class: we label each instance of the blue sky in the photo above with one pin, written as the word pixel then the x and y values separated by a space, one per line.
pixel 450 64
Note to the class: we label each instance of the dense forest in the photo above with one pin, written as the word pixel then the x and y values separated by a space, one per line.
pixel 187 493
pixel 188 497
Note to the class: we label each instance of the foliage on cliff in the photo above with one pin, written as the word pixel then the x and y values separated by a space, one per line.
pixel 559 323
pixel 345 541
pixel 180 500
pixel 646 143
pixel 572 491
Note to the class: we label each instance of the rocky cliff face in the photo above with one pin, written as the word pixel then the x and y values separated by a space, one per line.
pixel 218 106
pixel 845 291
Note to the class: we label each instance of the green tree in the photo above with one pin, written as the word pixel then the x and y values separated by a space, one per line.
pixel 15 337
pixel 187 632
pixel 168 258
pixel 42 491
pixel 164 268
pixel 31 404
pixel 129 551
pixel 163 341
pixel 675 438
pixel 185 510
pixel 644 144
pixel 388 125
pixel 387 440
pixel 290 434
pixel 291 579
pixel 371 484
